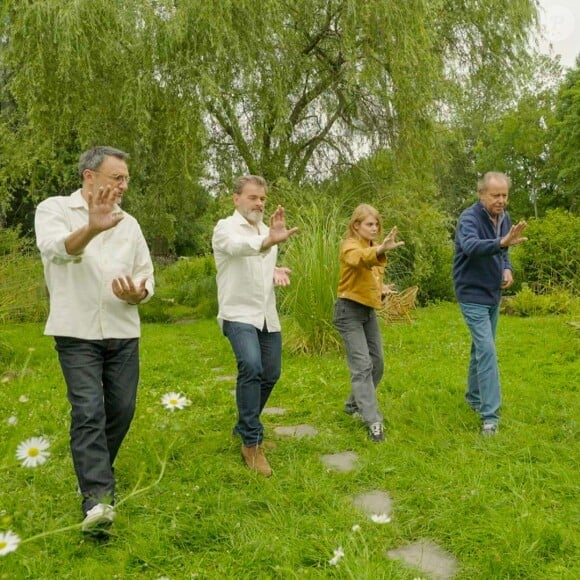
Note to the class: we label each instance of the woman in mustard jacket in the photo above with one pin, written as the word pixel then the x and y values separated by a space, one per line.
pixel 360 292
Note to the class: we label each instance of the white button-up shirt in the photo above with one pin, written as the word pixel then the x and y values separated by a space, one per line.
pixel 245 273
pixel 82 303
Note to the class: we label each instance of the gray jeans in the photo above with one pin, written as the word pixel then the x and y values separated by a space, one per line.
pixel 358 326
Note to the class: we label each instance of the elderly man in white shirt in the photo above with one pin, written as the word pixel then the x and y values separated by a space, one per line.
pixel 245 252
pixel 97 269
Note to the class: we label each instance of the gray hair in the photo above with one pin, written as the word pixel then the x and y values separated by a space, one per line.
pixel 483 183
pixel 241 182
pixel 93 158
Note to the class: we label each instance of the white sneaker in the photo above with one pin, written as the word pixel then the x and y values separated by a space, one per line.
pixel 98 518
pixel 376 432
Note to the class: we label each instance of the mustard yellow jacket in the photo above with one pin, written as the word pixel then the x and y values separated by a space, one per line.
pixel 361 272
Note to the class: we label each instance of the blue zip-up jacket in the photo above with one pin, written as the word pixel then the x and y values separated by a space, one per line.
pixel 479 261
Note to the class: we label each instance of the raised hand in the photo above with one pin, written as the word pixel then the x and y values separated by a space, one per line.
pixel 278 231
pixel 514 236
pixel 389 243
pixel 103 213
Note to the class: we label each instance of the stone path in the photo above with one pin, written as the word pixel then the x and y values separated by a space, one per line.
pixel 224 378
pixel 274 411
pixel 428 557
pixel 377 505
pixel 342 462
pixel 297 431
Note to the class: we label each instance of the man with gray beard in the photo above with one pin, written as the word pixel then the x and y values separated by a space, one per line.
pixel 245 252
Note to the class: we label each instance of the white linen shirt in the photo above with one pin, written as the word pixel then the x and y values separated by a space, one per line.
pixel 82 303
pixel 245 273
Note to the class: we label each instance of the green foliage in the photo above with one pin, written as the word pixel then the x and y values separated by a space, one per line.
pixel 23 297
pixel 189 92
pixel 505 507
pixel 185 289
pixel 402 200
pixel 564 161
pixel 528 303
pixel 550 258
pixel 517 144
pixel 312 255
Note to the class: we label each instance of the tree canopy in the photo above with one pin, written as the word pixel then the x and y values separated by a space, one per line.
pixel 200 91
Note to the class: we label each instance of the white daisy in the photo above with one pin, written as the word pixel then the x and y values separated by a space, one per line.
pixel 380 518
pixel 174 401
pixel 338 554
pixel 8 542
pixel 23 399
pixel 33 451
pixel 356 528
pixel 12 420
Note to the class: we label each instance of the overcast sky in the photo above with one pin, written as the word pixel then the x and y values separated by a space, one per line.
pixel 561 22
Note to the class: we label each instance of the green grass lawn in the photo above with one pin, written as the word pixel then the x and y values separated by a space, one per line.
pixel 505 507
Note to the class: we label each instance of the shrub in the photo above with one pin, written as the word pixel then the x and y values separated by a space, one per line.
pixel 188 282
pixel 528 303
pixel 313 256
pixel 549 259
pixel 23 296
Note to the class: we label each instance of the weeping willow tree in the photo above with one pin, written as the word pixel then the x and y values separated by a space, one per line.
pixel 197 89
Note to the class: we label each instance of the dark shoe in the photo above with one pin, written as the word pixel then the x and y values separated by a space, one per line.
pixel 256 460
pixel 98 518
pixel 489 429
pixel 376 432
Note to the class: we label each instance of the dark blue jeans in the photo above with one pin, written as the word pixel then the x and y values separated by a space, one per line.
pixel 259 357
pixel 101 378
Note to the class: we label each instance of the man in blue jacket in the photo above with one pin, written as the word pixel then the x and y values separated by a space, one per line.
pixel 481 269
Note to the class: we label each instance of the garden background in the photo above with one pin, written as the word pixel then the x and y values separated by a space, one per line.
pixel 335 102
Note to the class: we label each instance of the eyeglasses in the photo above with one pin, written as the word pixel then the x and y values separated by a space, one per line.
pixel 118 179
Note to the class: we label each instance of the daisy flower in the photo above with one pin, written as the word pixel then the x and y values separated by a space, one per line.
pixel 23 398
pixel 8 542
pixel 12 420
pixel 380 518
pixel 33 451
pixel 356 528
pixel 338 554
pixel 174 401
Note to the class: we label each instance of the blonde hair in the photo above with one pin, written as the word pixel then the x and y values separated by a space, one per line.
pixel 360 213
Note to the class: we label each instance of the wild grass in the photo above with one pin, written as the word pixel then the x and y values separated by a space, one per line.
pixel 506 507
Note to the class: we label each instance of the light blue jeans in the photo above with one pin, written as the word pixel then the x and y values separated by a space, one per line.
pixel 360 332
pixel 483 388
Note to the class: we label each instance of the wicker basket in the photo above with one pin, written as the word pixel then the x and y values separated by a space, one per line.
pixel 398 307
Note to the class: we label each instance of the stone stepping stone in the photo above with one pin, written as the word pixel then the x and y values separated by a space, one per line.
pixel 427 557
pixel 341 462
pixel 225 378
pixel 376 504
pixel 297 431
pixel 274 411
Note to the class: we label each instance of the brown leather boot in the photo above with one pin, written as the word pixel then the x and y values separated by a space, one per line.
pixel 256 460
